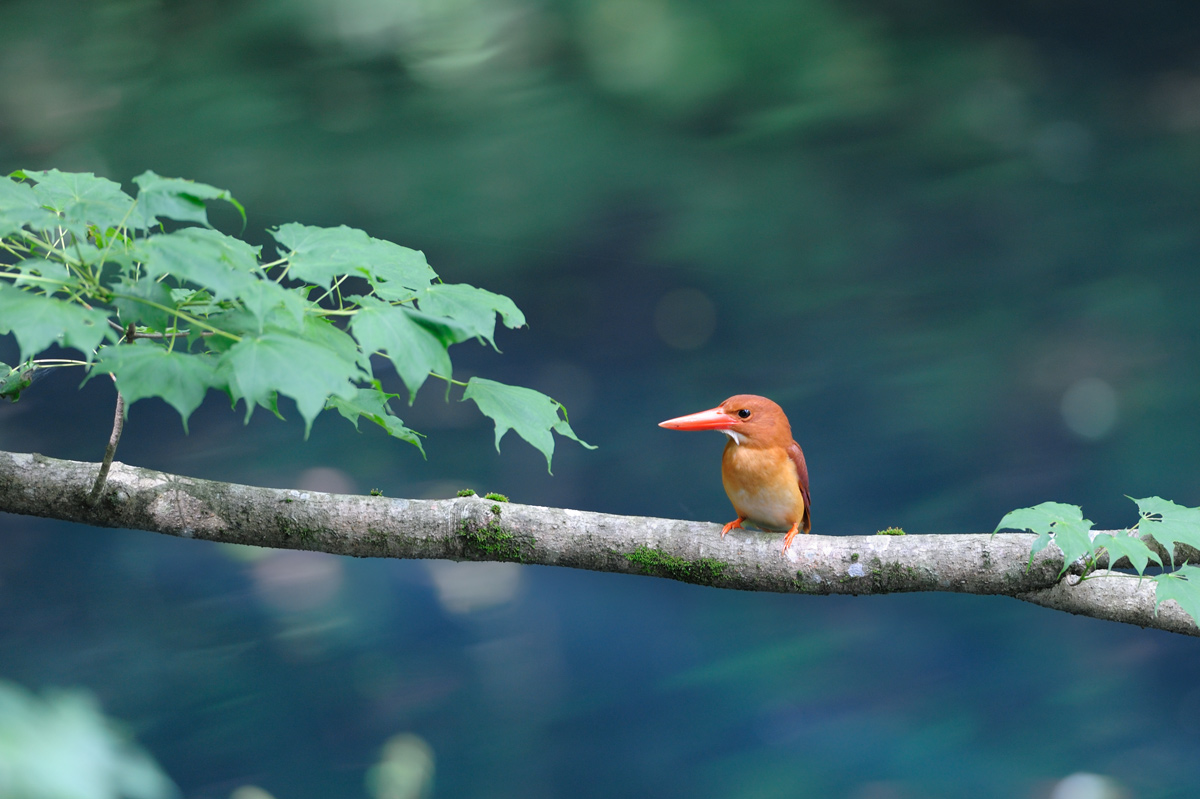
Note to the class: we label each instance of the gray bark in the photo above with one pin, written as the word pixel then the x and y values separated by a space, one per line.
pixel 473 528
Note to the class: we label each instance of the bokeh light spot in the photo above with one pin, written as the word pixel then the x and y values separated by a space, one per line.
pixel 326 479
pixel 297 581
pixel 1089 408
pixel 468 587
pixel 1087 786
pixel 250 792
pixel 405 771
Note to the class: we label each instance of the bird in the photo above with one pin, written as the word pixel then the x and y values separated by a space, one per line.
pixel 762 468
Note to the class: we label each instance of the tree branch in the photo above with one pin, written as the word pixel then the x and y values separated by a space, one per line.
pixel 471 528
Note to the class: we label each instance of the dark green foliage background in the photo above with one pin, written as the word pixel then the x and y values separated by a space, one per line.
pixel 918 224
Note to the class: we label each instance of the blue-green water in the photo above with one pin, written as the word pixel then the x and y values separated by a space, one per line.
pixel 957 244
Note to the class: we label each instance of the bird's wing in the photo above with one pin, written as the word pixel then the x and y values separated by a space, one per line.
pixel 797 455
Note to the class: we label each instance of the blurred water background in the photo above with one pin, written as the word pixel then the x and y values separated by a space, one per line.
pixel 956 241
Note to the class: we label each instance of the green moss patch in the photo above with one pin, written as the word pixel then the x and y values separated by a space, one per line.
pixel 491 540
pixel 704 571
pixel 889 577
pixel 291 529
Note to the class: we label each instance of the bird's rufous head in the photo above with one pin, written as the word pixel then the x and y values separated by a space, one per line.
pixel 745 418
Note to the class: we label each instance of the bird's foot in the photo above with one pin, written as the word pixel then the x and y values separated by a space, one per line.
pixel 787 539
pixel 736 524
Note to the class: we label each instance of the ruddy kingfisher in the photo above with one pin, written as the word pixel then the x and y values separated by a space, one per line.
pixel 762 468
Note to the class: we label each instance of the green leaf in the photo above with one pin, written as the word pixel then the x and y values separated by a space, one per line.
pixel 265 305
pixel 198 301
pixel 1182 585
pixel 137 303
pixel 19 207
pixel 445 330
pixel 225 266
pixel 14 381
pixel 145 369
pixel 38 321
pixel 397 332
pixel 1169 523
pixel 322 332
pixel 372 403
pixel 319 255
pixel 81 199
pixel 32 270
pixel 175 198
pixel 272 305
pixel 530 413
pixel 1127 546
pixel 1064 524
pixel 472 308
pixel 258 367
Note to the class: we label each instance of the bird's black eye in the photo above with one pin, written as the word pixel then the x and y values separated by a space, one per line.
pixel 744 413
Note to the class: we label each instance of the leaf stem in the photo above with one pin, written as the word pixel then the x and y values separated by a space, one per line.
pixel 35 278
pixel 51 249
pixel 12 247
pixel 332 288
pixel 178 314
pixel 170 334
pixel 318 311
pixel 46 363
pixel 448 379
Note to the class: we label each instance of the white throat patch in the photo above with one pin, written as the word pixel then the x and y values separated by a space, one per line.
pixel 738 438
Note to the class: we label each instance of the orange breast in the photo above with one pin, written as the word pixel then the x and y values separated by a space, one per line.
pixel 763 485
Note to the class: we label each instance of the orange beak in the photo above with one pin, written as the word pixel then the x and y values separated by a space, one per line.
pixel 714 419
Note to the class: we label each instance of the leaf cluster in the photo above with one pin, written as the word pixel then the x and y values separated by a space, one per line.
pixel 147 290
pixel 1166 522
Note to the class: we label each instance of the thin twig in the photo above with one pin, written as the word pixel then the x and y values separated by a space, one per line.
pixel 110 451
pixel 115 438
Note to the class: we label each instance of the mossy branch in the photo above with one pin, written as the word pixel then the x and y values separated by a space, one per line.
pixel 474 528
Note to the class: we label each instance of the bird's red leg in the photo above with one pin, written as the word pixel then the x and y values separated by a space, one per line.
pixel 787 539
pixel 736 524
